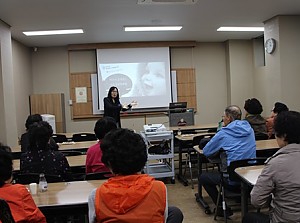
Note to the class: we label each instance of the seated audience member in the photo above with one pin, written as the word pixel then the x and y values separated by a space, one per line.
pixel 278 185
pixel 236 140
pixel 40 158
pixel 25 137
pixel 253 110
pixel 94 153
pixel 129 196
pixel 278 107
pixel 19 200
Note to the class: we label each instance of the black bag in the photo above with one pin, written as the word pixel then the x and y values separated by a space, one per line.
pixel 162 148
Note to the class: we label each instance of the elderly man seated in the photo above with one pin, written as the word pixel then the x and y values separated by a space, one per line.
pixel 236 139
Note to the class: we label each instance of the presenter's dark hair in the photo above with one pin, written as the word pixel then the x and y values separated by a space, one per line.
pixel 110 90
pixel 39 135
pixel 287 125
pixel 234 112
pixel 6 164
pixel 32 119
pixel 103 126
pixel 279 107
pixel 253 106
pixel 124 151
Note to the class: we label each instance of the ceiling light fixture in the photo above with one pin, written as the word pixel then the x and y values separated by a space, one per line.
pixel 240 29
pixel 53 32
pixel 151 28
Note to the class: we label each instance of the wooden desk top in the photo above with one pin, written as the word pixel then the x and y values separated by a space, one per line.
pixel 249 174
pixel 66 193
pixel 193 127
pixel 266 144
pixel 72 160
pixel 69 146
pixel 189 137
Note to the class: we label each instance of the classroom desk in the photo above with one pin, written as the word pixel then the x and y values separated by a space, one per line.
pixel 66 197
pixel 184 141
pixel 248 176
pixel 206 127
pixel 67 146
pixel 73 161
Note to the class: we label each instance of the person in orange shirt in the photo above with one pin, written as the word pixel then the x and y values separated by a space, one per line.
pixel 129 196
pixel 17 196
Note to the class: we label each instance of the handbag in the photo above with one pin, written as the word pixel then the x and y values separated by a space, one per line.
pixel 161 148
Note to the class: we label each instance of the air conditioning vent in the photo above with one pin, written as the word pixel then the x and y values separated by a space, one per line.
pixel 169 2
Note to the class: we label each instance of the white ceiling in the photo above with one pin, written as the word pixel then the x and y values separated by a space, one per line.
pixel 103 20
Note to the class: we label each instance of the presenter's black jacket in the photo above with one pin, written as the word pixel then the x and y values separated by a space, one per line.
pixel 112 109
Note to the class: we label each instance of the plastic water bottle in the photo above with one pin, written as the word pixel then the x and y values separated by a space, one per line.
pixel 179 132
pixel 43 185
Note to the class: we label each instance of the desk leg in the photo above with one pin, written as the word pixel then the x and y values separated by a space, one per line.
pixel 180 177
pixel 198 195
pixel 244 198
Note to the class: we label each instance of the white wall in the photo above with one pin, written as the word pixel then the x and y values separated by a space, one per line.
pixel 22 82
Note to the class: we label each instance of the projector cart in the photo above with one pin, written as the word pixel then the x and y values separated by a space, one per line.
pixel 160 165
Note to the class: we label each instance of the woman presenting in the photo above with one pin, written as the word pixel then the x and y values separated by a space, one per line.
pixel 112 105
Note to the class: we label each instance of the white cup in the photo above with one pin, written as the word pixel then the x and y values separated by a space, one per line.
pixel 33 188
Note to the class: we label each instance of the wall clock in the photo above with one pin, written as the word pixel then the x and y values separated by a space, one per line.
pixel 270 45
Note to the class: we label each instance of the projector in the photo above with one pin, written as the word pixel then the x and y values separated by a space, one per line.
pixel 152 128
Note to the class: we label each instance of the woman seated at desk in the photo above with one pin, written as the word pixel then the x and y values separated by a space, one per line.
pixel 278 185
pixel 40 158
pixel 19 200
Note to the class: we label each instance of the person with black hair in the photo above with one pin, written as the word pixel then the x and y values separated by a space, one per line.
pixel 24 141
pixel 113 106
pixel 278 107
pixel 20 201
pixel 253 110
pixel 94 153
pixel 278 185
pixel 129 196
pixel 40 158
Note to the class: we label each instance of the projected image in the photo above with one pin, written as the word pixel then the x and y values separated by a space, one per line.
pixel 141 75
pixel 135 79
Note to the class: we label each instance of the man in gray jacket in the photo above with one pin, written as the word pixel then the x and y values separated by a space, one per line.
pixel 278 186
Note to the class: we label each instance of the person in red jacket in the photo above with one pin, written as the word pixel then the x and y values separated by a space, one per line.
pixel 129 196
pixel 20 201
pixel 94 154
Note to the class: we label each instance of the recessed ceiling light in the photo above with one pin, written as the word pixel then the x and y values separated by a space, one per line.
pixel 53 32
pixel 240 29
pixel 151 28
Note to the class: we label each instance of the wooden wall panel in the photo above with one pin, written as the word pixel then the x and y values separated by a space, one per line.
pixel 50 104
pixel 186 86
pixel 81 110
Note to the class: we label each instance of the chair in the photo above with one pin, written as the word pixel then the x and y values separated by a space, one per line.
pixel 192 156
pixel 16 155
pixel 230 173
pixel 72 153
pixel 98 176
pixel 80 137
pixel 261 136
pixel 59 138
pixel 5 212
pixel 27 178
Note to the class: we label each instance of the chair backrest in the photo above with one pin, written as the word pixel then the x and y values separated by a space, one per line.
pixel 16 155
pixel 98 176
pixel 5 213
pixel 243 163
pixel 80 137
pixel 59 138
pixel 261 136
pixel 72 153
pixel 27 178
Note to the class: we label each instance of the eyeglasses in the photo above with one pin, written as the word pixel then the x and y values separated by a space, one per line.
pixel 115 91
